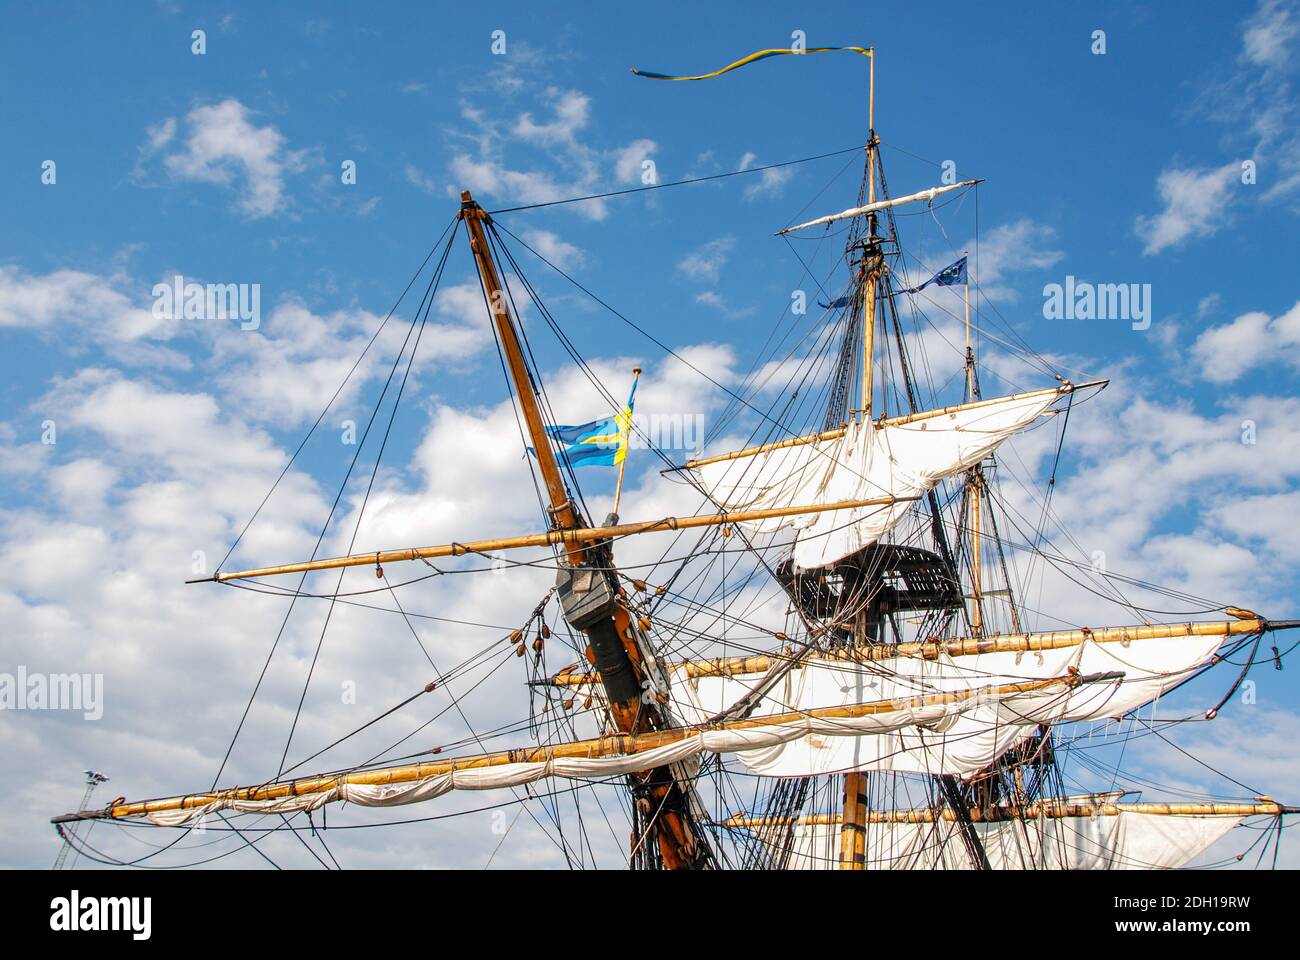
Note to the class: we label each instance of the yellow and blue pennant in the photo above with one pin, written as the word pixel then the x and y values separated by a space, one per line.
pixel 600 443
pixel 753 58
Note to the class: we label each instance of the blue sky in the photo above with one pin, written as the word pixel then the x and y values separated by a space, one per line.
pixel 225 167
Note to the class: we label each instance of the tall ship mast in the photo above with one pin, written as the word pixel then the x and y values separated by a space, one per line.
pixel 829 663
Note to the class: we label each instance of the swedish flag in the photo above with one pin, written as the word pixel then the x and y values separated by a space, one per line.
pixel 601 443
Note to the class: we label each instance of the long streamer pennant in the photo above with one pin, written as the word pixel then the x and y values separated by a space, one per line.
pixel 752 58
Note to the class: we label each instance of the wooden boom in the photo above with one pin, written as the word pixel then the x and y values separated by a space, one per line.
pixel 933 649
pixel 621 744
pixel 890 422
pixel 1052 809
pixel 549 538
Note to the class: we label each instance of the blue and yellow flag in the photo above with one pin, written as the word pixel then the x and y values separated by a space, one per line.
pixel 601 443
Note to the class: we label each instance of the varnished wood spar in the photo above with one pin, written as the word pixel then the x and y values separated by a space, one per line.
pixel 890 422
pixel 551 537
pixel 562 512
pixel 623 744
pixel 1055 809
pixel 853 823
pixel 933 649
pixel 607 647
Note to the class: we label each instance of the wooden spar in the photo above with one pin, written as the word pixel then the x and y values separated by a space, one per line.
pixel 869 271
pixel 964 647
pixel 1053 809
pixel 853 823
pixel 868 339
pixel 563 515
pixel 619 745
pixel 890 422
pixel 974 488
pixel 579 535
pixel 977 602
pixel 609 648
pixel 928 196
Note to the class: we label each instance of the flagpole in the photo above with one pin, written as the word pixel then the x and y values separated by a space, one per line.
pixel 618 489
pixel 970 357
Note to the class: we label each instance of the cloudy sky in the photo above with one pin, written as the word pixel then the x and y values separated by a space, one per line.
pixel 320 156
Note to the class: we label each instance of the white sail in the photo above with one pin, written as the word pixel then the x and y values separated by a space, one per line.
pixel 964 742
pixel 903 459
pixel 1126 839
pixel 758 739
pixel 926 195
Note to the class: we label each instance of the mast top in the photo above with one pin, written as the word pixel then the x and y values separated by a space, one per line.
pixel 468 205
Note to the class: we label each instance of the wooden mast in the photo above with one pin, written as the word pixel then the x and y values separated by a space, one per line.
pixel 854 825
pixel 974 485
pixel 563 516
pixel 868 270
pixel 612 640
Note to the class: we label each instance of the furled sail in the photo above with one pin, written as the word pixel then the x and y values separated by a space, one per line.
pixel 1109 837
pixel 903 458
pixel 964 742
pixel 602 757
pixel 926 195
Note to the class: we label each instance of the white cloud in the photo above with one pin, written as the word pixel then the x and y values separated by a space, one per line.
pixel 1227 352
pixel 1257 107
pixel 571 110
pixel 1145 461
pixel 1009 248
pixel 178 471
pixel 1268 33
pixel 770 182
pixel 75 308
pixel 68 297
pixel 223 144
pixel 559 252
pixel 285 371
pixel 493 179
pixel 564 165
pixel 1012 247
pixel 628 160
pixel 161 134
pixel 705 262
pixel 1194 204
pixel 711 298
pixel 416 176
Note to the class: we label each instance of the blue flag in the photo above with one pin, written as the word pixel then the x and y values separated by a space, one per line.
pixel 947 277
pixel 600 443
